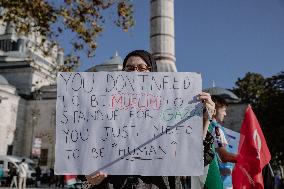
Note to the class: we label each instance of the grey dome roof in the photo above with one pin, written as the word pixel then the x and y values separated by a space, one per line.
pixel 3 80
pixel 116 59
pixel 228 95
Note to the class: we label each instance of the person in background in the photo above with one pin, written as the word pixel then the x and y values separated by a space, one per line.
pixel 51 176
pixel 61 181
pixel 38 176
pixel 23 172
pixel 277 179
pixel 1 174
pixel 14 176
pixel 226 158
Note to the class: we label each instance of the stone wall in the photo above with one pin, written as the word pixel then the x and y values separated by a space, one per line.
pixel 235 116
pixel 41 124
pixel 21 78
pixel 8 112
pixel 20 138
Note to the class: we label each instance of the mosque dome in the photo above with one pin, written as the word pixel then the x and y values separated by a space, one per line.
pixel 110 65
pixel 228 95
pixel 116 59
pixel 3 80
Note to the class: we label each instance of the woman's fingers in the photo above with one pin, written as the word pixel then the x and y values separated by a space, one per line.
pixel 207 102
pixel 206 98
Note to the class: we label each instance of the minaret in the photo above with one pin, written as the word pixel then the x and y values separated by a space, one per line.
pixel 162 36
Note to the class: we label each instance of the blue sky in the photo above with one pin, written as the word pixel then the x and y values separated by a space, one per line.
pixel 221 39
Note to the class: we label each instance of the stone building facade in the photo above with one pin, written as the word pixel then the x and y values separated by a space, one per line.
pixel 28 100
pixel 8 110
pixel 24 71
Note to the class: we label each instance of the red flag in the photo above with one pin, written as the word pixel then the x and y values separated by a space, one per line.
pixel 253 154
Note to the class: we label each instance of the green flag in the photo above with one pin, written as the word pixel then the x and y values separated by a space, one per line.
pixel 213 179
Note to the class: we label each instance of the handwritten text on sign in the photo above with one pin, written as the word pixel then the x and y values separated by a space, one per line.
pixel 129 123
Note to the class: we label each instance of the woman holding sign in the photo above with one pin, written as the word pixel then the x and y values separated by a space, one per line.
pixel 142 61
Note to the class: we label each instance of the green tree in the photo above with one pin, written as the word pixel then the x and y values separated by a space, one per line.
pixel 271 113
pixel 85 18
pixel 266 95
pixel 250 88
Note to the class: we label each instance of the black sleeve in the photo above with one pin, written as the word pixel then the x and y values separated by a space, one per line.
pixel 81 177
pixel 209 154
pixel 175 182
pixel 115 181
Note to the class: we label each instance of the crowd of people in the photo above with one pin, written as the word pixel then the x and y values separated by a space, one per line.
pixel 216 153
pixel 17 177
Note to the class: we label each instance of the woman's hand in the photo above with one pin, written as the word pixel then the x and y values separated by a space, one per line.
pixel 209 105
pixel 96 179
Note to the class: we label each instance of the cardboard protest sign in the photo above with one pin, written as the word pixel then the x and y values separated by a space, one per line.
pixel 129 123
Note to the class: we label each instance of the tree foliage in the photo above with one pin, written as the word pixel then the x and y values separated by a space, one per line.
pixel 250 88
pixel 267 98
pixel 85 18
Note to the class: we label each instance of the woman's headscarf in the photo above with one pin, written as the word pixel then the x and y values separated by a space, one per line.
pixel 146 56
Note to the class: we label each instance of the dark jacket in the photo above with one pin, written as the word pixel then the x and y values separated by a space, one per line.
pixel 138 182
pixel 13 172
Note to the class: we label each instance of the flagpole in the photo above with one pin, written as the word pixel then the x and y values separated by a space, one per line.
pixel 270 168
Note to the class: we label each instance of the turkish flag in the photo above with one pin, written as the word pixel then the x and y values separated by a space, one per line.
pixel 253 154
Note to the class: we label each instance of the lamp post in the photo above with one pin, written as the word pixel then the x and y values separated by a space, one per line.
pixel 53 124
pixel 35 114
